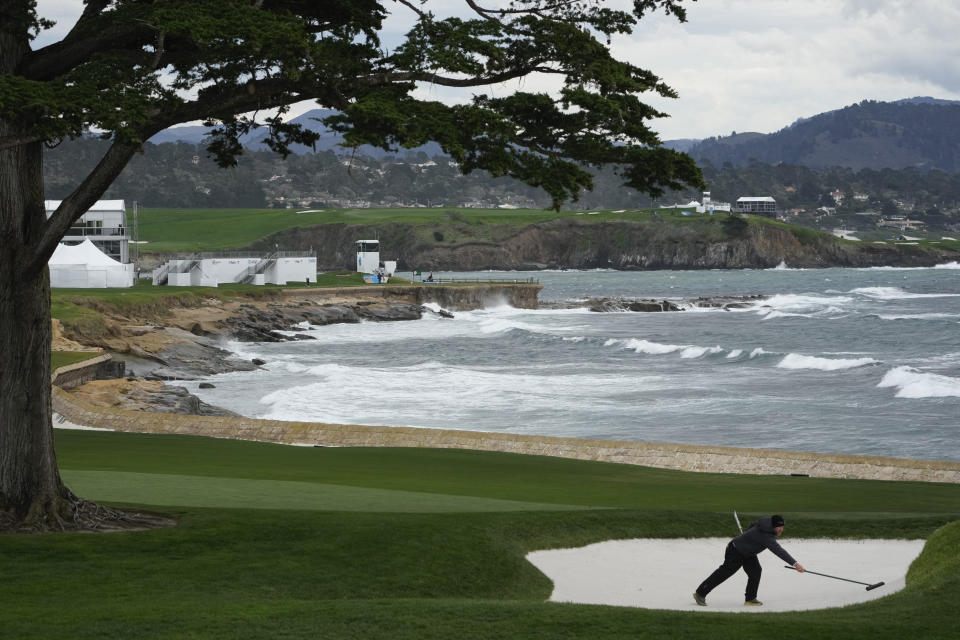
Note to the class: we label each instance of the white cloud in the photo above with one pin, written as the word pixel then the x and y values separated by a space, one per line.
pixel 758 65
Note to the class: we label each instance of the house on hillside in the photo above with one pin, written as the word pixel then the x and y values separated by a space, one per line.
pixel 759 205
pixel 902 223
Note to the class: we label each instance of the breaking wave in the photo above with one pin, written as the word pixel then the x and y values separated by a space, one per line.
pixel 797 361
pixel 911 383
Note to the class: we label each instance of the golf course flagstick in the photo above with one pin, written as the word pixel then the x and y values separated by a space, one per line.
pixel 826 575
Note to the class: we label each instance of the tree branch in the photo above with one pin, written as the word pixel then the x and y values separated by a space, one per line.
pixel 475 81
pixel 82 198
pixel 410 6
pixel 58 58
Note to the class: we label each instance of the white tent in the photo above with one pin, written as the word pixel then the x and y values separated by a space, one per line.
pixel 85 266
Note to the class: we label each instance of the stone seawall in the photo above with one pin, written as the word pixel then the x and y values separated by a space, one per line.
pixel 661 455
pixel 455 297
pixel 99 368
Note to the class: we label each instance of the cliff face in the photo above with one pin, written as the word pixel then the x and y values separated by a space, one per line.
pixel 573 244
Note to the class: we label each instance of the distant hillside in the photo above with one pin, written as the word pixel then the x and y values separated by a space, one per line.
pixel 682 144
pixel 309 120
pixel 922 133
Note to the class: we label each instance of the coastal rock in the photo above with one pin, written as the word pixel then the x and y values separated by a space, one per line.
pixel 615 305
pixel 330 314
pixel 196 360
pixel 141 394
pixel 727 302
pixel 390 312
pixel 169 399
pixel 265 325
pixel 619 304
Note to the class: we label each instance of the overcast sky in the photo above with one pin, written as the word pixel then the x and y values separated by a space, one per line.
pixel 758 65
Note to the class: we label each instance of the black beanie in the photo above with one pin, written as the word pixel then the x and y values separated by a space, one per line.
pixel 777 521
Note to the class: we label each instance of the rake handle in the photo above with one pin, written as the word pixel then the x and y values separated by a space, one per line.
pixel 827 575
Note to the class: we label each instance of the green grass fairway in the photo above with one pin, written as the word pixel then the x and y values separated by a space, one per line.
pixel 63 358
pixel 215 229
pixel 297 542
pixel 240 493
pixel 192 230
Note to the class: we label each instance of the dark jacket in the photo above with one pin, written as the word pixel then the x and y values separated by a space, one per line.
pixel 760 535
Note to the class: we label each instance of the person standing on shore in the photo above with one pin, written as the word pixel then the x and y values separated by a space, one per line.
pixel 742 552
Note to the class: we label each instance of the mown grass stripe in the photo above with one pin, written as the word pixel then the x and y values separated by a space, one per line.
pixel 240 493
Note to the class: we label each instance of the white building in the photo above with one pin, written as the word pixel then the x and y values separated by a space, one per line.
pixel 762 205
pixel 95 252
pixel 709 205
pixel 104 224
pixel 211 269
pixel 368 259
pixel 368 256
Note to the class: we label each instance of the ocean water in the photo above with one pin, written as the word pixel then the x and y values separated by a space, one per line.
pixel 858 361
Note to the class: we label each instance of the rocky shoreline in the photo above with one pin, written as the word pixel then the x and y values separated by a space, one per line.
pixel 193 342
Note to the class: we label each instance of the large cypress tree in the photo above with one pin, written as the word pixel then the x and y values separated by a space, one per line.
pixel 130 68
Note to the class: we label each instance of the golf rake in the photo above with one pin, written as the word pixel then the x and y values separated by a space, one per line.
pixel 825 575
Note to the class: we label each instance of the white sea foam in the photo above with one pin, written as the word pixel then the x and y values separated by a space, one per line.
pixel 385 395
pixel 798 361
pixel 948 265
pixel 773 315
pixel 896 293
pixel 759 351
pixel 651 348
pixel 787 303
pixel 919 316
pixel 736 353
pixel 686 351
pixel 911 383
pixel 699 352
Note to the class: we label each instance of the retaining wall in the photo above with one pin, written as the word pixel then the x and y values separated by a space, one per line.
pixel 651 454
pixel 99 368
pixel 456 297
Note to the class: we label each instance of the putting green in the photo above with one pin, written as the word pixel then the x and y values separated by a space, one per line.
pixel 228 493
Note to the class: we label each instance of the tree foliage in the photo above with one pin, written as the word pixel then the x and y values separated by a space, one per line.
pixel 131 68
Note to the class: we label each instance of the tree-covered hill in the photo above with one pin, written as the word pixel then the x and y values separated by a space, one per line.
pixel 919 132
pixel 180 175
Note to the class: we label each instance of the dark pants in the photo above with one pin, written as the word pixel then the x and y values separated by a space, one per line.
pixel 732 561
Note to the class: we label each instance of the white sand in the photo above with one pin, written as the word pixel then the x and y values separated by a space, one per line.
pixel 663 574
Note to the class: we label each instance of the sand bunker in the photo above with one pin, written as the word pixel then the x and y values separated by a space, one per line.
pixel 662 574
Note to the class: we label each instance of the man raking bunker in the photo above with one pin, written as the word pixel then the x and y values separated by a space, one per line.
pixel 742 552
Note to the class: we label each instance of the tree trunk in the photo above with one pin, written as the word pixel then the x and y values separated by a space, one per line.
pixel 33 498
pixel 32 495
